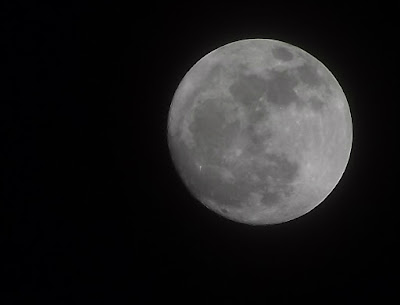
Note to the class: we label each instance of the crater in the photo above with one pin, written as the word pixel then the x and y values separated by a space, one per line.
pixel 282 53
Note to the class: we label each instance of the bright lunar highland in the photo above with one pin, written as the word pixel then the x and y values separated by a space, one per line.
pixel 260 131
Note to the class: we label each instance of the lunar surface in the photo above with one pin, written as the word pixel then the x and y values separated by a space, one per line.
pixel 260 131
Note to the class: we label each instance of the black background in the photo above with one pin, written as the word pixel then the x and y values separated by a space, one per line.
pixel 92 209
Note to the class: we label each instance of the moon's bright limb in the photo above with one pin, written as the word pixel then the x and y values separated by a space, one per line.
pixel 260 131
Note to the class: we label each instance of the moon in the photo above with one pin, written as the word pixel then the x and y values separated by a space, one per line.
pixel 259 131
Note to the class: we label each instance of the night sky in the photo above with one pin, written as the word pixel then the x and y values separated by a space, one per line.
pixel 91 207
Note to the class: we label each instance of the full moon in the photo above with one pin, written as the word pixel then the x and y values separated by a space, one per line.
pixel 259 131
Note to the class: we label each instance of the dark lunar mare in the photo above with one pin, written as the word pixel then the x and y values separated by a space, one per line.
pixel 211 129
pixel 278 89
pixel 282 53
pixel 308 74
pixel 316 104
pixel 247 89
